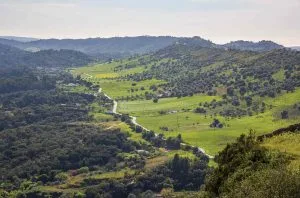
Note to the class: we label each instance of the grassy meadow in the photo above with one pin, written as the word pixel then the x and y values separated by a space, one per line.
pixel 195 129
pixel 176 114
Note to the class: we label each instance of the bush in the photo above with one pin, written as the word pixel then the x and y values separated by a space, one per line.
pixel 61 177
pixel 83 170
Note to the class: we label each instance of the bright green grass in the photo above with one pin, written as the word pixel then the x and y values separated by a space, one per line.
pixel 279 75
pixel 75 89
pixel 284 99
pixel 107 70
pixel 134 70
pixel 181 153
pixel 96 69
pixel 133 135
pixel 117 89
pixel 113 175
pixel 212 66
pixel 288 143
pixel 167 156
pixel 105 76
pixel 195 128
pixel 148 107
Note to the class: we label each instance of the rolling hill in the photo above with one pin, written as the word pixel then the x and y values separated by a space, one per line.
pixel 14 57
pixel 189 89
pixel 296 48
pixel 119 47
pixel 253 46
pixel 18 38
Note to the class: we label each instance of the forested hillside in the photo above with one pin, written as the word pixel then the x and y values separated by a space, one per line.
pixel 239 75
pixel 207 94
pixel 100 47
pixel 120 47
pixel 58 139
pixel 253 46
pixel 14 57
pixel 18 38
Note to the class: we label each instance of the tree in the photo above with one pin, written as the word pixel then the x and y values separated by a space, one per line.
pixel 284 114
pixel 230 91
pixel 248 100
pixel 216 124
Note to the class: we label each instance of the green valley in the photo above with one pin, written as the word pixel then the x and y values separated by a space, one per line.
pixel 167 103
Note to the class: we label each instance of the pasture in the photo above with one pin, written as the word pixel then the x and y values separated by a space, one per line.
pixel 195 128
pixel 172 116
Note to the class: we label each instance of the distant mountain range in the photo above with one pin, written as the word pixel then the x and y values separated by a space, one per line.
pixel 118 47
pixel 296 48
pixel 17 38
pixel 14 57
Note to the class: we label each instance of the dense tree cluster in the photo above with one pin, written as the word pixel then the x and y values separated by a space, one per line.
pixel 179 173
pixel 246 169
pixel 39 149
pixel 43 131
pixel 172 143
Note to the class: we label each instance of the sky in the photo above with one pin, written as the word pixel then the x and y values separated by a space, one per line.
pixel 220 21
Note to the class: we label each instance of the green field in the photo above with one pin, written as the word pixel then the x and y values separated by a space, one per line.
pixel 195 128
pixel 176 114
pixel 117 89
pixel 108 79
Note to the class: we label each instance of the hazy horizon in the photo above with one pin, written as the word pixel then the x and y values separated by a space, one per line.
pixel 220 21
pixel 29 37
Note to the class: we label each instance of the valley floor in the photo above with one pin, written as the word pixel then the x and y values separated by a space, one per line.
pixel 173 116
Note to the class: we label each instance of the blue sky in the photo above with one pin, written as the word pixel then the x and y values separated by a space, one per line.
pixel 218 20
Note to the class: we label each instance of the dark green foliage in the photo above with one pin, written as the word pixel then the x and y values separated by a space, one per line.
pixel 200 110
pixel 252 46
pixel 103 48
pixel 13 57
pixel 40 132
pixel 172 143
pixel 180 173
pixel 31 98
pixel 284 114
pixel 216 124
pixel 240 161
pixel 268 183
pixel 243 75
